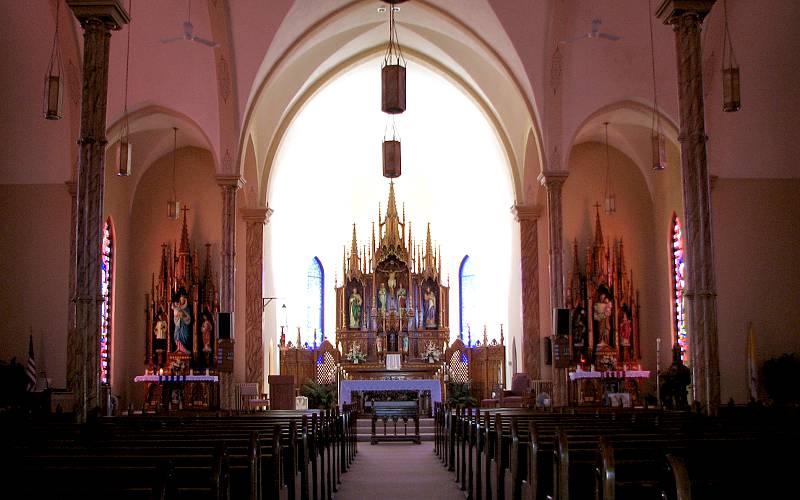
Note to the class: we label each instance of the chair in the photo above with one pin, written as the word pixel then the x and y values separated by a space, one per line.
pixel 249 398
pixel 521 394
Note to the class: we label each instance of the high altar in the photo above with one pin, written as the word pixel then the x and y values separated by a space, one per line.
pixel 392 331
pixel 181 321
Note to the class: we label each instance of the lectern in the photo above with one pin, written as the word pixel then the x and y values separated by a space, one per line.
pixel 281 392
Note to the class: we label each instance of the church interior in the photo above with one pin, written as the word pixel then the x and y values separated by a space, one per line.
pixel 289 226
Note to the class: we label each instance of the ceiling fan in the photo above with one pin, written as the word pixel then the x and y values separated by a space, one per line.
pixel 188 33
pixel 595 33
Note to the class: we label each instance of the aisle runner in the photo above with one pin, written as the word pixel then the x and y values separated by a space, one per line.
pixel 398 471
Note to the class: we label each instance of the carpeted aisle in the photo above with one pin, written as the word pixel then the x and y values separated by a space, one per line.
pixel 398 471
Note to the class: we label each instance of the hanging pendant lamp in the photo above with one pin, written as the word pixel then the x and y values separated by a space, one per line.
pixel 391 152
pixel 731 98
pixel 609 199
pixel 658 154
pixel 173 205
pixel 393 71
pixel 53 98
pixel 125 156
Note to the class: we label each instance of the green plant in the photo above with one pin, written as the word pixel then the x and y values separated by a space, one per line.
pixel 460 395
pixel 780 379
pixel 319 396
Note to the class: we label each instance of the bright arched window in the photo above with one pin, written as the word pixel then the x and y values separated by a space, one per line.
pixel 315 298
pixel 466 294
pixel 678 287
pixel 107 292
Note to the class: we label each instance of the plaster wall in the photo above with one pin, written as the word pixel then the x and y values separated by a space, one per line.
pixel 757 250
pixel 34 266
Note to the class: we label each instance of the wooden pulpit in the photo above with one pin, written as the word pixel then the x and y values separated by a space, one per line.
pixel 281 392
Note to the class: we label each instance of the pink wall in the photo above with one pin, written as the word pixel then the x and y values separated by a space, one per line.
pixel 757 246
pixel 34 265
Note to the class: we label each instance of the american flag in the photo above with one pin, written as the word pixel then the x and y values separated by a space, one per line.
pixel 30 371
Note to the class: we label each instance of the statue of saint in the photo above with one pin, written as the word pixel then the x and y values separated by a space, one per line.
pixel 355 309
pixel 382 298
pixel 182 317
pixel 602 314
pixel 392 281
pixel 430 308
pixel 379 344
pixel 405 344
pixel 207 328
pixel 625 328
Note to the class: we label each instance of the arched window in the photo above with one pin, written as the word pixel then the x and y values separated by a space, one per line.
pixel 107 291
pixel 678 286
pixel 466 293
pixel 315 298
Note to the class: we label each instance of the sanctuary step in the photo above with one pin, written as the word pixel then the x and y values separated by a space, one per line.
pixel 427 428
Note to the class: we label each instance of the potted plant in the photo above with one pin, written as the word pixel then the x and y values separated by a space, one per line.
pixel 355 355
pixel 460 395
pixel 319 396
pixel 432 353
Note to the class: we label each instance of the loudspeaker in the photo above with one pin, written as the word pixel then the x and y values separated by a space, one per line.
pixel 224 325
pixel 561 322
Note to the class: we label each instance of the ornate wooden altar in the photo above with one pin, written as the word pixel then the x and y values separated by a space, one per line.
pixel 604 307
pixel 181 321
pixel 392 299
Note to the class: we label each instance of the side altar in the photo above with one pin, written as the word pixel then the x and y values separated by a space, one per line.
pixel 181 343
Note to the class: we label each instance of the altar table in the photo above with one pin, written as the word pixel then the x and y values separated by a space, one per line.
pixel 610 386
pixel 348 386
pixel 171 392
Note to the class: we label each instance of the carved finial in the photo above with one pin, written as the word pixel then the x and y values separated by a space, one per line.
pixel 298 337
pixel 598 229
pixel 184 248
pixel 502 338
pixel 485 336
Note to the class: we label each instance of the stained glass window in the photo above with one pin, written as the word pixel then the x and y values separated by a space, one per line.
pixel 106 290
pixel 678 287
pixel 466 294
pixel 315 299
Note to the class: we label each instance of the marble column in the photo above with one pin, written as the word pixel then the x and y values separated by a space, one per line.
pixel 553 182
pixel 228 184
pixel 97 18
pixel 686 18
pixel 74 354
pixel 255 218
pixel 528 217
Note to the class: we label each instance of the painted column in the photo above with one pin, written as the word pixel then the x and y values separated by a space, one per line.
pixel 686 18
pixel 528 217
pixel 553 182
pixel 74 354
pixel 255 218
pixel 228 184
pixel 98 18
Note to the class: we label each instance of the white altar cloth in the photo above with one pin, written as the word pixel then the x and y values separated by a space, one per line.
pixel 610 374
pixel 176 378
pixel 349 386
pixel 393 361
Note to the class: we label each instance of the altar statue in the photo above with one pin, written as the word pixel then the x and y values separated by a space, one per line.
pixel 430 308
pixel 182 318
pixel 401 298
pixel 207 329
pixel 382 298
pixel 602 314
pixel 355 309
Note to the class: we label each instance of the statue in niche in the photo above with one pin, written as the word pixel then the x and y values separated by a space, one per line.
pixel 382 299
pixel 602 314
pixel 182 318
pixel 160 332
pixel 401 298
pixel 392 281
pixel 355 309
pixel 625 330
pixel 207 329
pixel 430 308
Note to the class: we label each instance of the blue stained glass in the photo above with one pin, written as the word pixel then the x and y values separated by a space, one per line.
pixel 315 298
pixel 467 295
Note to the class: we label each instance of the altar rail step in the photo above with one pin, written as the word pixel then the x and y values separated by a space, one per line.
pixel 427 428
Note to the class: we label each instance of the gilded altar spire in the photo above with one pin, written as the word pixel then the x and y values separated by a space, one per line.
pixel 184 247
pixel 391 235
pixel 428 249
pixel 598 229
pixel 354 264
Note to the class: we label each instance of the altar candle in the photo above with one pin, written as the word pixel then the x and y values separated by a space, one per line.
pixel 161 371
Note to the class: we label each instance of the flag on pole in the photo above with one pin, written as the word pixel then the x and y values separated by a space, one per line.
pixel 30 370
pixel 752 364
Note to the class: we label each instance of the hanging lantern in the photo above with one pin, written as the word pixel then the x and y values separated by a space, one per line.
pixel 53 99
pixel 173 205
pixel 731 100
pixel 609 200
pixel 391 158
pixel 173 208
pixel 393 72
pixel 730 89
pixel 125 157
pixel 659 152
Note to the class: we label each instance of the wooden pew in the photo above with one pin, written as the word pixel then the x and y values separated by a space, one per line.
pixel 395 411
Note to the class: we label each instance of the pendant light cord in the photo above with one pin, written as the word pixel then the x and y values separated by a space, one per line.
pixel 608 166
pixel 174 154
pixel 656 122
pixel 55 52
pixel 727 43
pixel 394 54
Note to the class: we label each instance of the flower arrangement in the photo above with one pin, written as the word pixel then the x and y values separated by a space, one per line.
pixel 355 355
pixel 432 353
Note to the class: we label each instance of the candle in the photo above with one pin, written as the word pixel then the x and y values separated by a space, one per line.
pixel 161 371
